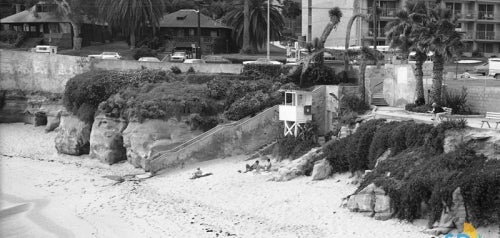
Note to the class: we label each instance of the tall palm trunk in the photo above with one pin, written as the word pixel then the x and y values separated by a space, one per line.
pixel 348 38
pixel 419 77
pixel 361 87
pixel 437 78
pixel 132 38
pixel 77 40
pixel 246 48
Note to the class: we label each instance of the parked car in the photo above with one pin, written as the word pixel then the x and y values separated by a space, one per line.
pixel 178 56
pixel 45 49
pixel 494 67
pixel 262 61
pixel 149 59
pixel 481 69
pixel 106 55
pixel 194 61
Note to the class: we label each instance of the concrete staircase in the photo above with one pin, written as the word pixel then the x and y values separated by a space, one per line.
pixel 378 99
pixel 241 137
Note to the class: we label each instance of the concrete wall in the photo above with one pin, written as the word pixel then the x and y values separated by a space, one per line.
pixel 242 137
pixel 399 84
pixel 38 72
pixel 28 71
pixel 481 99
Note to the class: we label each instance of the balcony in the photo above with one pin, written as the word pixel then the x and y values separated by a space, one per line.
pixel 388 12
pixel 487 35
pixel 487 15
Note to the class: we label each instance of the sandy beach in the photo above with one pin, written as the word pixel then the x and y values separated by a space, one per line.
pixel 44 194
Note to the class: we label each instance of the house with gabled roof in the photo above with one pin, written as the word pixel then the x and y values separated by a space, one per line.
pixel 181 30
pixel 42 25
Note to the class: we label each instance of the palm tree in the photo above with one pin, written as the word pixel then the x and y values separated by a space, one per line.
pixel 365 54
pixel 335 14
pixel 404 32
pixel 257 23
pixel 131 15
pixel 444 41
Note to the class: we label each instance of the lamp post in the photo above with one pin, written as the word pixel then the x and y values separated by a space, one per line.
pixel 198 49
pixel 268 23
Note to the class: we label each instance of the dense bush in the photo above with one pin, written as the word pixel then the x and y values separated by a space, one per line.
pixel 353 103
pixel 190 70
pixel 12 37
pixel 250 104
pixel 84 92
pixel 161 101
pixel 418 177
pixel 175 70
pixel 262 71
pixel 315 75
pixel 196 121
pixel 415 108
pixel 144 52
pixel 457 101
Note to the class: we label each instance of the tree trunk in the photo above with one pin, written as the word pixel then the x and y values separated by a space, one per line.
pixel 419 77
pixel 132 40
pixel 437 78
pixel 77 31
pixel 326 32
pixel 348 38
pixel 362 70
pixel 246 48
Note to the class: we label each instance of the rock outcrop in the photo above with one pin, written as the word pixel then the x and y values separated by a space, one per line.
pixel 53 120
pixel 484 142
pixel 298 167
pixel 141 140
pixel 73 136
pixel 106 141
pixel 322 170
pixel 371 201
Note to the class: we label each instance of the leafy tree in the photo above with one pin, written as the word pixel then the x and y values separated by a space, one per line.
pixel 291 10
pixel 131 15
pixel 257 23
pixel 403 33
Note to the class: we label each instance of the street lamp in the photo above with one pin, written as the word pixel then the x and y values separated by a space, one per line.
pixel 198 49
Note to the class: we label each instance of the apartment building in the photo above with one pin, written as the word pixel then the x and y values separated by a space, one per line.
pixel 478 19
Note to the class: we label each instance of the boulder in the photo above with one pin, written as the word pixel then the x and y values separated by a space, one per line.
pixel 53 121
pixel 298 166
pixel 142 140
pixel 322 169
pixel 371 200
pixel 73 136
pixel 486 142
pixel 106 141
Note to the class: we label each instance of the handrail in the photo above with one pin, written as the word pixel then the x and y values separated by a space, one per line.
pixel 216 129
pixel 373 88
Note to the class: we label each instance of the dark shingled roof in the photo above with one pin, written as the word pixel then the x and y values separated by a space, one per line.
pixel 29 16
pixel 189 18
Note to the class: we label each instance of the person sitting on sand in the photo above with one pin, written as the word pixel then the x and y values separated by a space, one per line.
pixel 267 165
pixel 254 167
pixel 199 174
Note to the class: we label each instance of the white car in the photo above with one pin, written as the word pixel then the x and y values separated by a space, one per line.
pixel 106 55
pixel 178 56
pixel 194 61
pixel 263 61
pixel 149 59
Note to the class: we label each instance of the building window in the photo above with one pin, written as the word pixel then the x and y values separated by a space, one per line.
pixel 455 7
pixel 485 32
pixel 191 32
pixel 486 11
pixel 388 8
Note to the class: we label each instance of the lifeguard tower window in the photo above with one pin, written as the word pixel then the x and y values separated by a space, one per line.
pixel 299 101
pixel 289 99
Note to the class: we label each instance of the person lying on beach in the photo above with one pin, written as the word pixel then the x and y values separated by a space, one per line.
pixel 198 174
pixel 254 167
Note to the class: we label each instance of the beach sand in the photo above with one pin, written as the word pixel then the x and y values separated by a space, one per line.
pixel 44 194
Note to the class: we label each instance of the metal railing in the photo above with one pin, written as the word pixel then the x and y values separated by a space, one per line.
pixel 371 31
pixel 486 35
pixel 486 15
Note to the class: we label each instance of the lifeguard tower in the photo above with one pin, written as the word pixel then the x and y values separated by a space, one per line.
pixel 296 111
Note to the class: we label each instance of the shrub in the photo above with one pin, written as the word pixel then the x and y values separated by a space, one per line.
pixel 203 123
pixel 457 101
pixel 191 70
pixel 144 52
pixel 175 70
pixel 335 154
pixel 261 71
pixel 352 103
pixel 415 108
pixel 315 75
pixel 294 147
pixel 250 104
pixel 89 89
